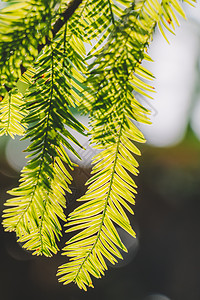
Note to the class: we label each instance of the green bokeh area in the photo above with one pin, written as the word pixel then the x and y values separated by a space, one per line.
pixel 22 86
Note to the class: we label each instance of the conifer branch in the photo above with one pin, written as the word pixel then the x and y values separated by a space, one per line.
pixel 108 90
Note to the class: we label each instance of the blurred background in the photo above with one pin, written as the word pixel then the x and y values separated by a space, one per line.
pixel 163 262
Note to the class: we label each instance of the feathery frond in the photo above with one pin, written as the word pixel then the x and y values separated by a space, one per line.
pixel 40 197
pixel 24 26
pixel 114 77
pixel 11 114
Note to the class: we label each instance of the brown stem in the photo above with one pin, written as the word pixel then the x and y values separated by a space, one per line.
pixel 64 17
pixel 73 5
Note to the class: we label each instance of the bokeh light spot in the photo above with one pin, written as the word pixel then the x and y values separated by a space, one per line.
pixel 156 297
pixel 14 153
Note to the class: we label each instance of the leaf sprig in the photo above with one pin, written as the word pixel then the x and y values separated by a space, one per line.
pixel 40 197
pixel 114 76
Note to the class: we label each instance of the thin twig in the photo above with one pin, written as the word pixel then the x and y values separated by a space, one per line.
pixel 64 17
pixel 73 5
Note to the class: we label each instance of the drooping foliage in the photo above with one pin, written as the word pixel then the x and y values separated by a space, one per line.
pixel 43 45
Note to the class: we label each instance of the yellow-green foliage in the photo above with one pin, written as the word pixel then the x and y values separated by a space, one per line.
pixel 42 43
